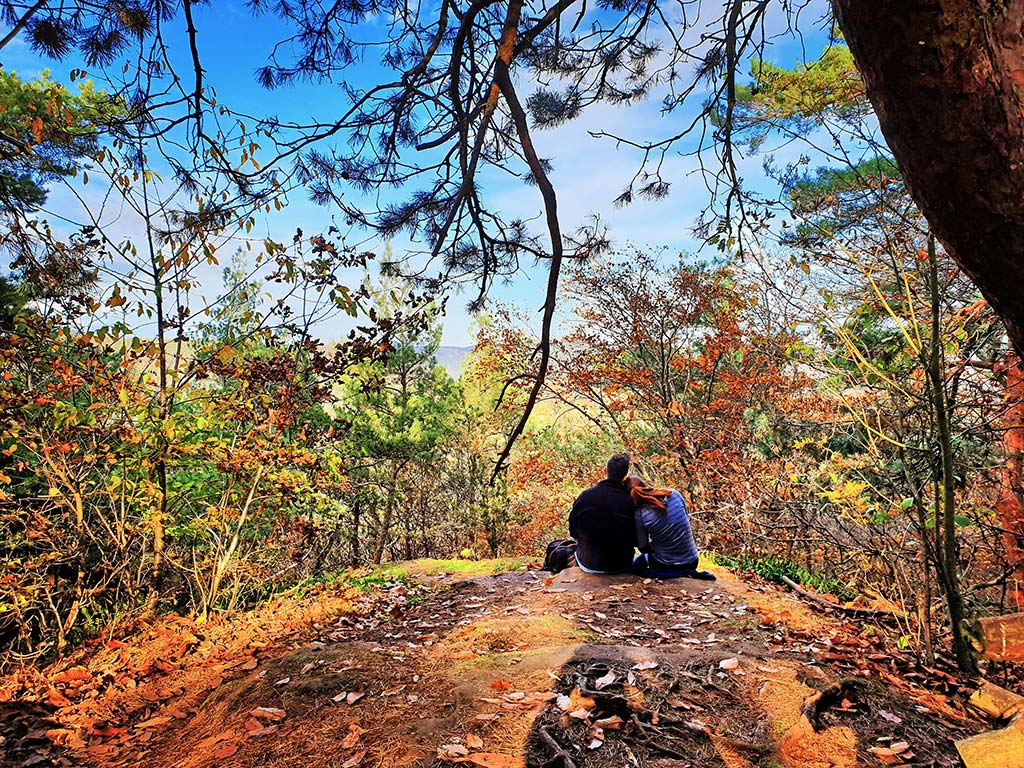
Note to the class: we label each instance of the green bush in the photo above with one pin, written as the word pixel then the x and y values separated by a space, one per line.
pixel 774 568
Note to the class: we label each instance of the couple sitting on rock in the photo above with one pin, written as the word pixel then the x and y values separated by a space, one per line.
pixel 623 512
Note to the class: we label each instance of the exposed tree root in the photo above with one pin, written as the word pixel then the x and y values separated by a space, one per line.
pixel 814 706
pixel 560 753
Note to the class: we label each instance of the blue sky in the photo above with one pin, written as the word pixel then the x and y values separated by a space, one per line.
pixel 588 173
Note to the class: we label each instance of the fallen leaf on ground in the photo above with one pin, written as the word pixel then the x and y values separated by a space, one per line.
pixel 492 760
pixel 354 696
pixel 897 748
pixel 604 681
pixel 354 732
pixel 451 751
pixel 105 731
pixel 729 663
pixel 153 722
pixel 501 685
pixel 355 760
pixel 645 665
pixel 57 698
pixel 473 741
pixel 269 713
pixel 72 675
pixel 226 751
pixel 252 731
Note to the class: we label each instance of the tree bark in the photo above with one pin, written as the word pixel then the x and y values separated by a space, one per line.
pixel 354 535
pixel 946 78
pixel 1011 495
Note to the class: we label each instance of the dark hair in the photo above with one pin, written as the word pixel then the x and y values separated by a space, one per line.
pixel 618 467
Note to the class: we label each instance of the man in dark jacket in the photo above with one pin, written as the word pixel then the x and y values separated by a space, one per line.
pixel 602 522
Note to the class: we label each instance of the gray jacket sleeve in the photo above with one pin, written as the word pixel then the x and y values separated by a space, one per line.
pixel 643 542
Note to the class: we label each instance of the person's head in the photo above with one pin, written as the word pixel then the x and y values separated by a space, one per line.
pixel 618 467
pixel 644 494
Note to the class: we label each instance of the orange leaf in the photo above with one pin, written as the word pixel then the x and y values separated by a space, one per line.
pixel 57 698
pixel 71 675
pixel 492 760
pixel 226 751
pixel 354 732
pixel 269 713
pixel 106 731
pixel 501 685
pixel 258 731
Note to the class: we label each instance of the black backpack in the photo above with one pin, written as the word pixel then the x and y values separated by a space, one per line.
pixel 559 555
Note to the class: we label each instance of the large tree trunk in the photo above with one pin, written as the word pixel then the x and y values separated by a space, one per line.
pixel 1011 495
pixel 946 78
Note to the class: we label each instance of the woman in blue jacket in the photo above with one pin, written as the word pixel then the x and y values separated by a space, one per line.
pixel 663 532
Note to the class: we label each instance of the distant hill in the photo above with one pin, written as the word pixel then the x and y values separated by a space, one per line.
pixel 452 358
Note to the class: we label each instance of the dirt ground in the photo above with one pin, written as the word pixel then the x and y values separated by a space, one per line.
pixel 517 669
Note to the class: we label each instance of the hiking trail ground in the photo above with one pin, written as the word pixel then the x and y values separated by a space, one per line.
pixel 519 668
